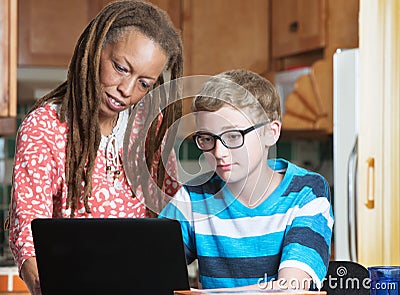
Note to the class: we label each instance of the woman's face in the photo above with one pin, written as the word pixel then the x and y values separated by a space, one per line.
pixel 128 69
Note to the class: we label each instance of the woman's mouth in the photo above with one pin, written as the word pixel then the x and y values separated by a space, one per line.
pixel 114 104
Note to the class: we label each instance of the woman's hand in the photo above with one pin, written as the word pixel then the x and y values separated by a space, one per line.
pixel 30 275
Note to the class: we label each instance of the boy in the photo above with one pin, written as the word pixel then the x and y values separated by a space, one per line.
pixel 254 223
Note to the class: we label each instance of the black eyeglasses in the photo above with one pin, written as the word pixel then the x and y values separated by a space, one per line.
pixel 232 139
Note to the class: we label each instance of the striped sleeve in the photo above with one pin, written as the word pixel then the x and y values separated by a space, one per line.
pixel 180 208
pixel 307 243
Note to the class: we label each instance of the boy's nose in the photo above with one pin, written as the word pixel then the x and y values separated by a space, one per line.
pixel 220 150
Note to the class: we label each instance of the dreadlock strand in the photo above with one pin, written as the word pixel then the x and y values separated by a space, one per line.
pixel 172 113
pixel 73 175
pixel 82 142
pixel 93 135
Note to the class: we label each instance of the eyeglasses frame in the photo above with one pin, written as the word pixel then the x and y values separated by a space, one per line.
pixel 218 136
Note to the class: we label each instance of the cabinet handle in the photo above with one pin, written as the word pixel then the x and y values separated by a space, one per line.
pixel 294 26
pixel 370 203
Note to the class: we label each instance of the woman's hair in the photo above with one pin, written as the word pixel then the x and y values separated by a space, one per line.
pixel 242 89
pixel 80 95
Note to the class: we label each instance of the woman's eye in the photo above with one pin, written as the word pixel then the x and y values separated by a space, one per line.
pixel 120 68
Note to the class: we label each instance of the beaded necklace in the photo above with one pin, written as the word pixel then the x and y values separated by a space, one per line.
pixel 113 161
pixel 111 145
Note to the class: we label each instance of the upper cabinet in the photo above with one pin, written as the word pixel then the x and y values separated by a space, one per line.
pixel 8 65
pixel 297 26
pixel 213 39
pixel 322 27
pixel 172 7
pixel 225 34
pixel 48 29
pixel 265 36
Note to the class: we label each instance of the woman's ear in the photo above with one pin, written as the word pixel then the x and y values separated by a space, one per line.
pixel 272 133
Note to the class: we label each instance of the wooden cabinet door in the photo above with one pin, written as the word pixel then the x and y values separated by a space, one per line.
pixel 225 34
pixel 173 8
pixel 8 66
pixel 48 30
pixel 297 26
pixel 378 173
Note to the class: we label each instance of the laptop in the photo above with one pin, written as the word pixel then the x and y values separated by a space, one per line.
pixel 110 256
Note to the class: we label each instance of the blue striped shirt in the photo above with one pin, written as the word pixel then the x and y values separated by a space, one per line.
pixel 236 245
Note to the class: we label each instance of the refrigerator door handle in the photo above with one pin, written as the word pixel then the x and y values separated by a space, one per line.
pixel 352 201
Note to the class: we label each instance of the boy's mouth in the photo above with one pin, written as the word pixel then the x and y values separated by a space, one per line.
pixel 224 166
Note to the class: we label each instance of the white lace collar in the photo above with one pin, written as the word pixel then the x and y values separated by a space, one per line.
pixel 118 131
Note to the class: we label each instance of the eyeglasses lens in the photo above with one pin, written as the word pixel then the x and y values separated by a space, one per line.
pixel 232 139
pixel 205 142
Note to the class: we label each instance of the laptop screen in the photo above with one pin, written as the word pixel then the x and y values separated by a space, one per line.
pixel 110 256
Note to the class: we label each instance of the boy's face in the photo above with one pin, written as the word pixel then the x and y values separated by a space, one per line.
pixel 238 164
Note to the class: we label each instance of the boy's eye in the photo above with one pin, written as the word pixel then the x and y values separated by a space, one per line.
pixel 233 136
pixel 144 84
pixel 205 138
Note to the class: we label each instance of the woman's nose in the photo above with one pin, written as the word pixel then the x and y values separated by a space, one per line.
pixel 127 87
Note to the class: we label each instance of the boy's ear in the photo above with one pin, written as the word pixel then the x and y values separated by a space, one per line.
pixel 273 133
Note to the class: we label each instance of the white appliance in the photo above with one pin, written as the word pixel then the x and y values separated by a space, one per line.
pixel 345 132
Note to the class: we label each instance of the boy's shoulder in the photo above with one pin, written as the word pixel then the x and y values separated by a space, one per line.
pixel 282 165
pixel 207 183
pixel 301 177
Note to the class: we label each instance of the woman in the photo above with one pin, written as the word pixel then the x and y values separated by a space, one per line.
pixel 68 160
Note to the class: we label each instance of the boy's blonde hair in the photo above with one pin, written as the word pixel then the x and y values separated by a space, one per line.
pixel 242 89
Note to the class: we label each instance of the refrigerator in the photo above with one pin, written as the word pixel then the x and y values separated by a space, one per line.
pixel 345 133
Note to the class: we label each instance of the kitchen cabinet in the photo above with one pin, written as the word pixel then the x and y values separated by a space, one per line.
pixel 225 34
pixel 213 40
pixel 378 189
pixel 297 26
pixel 51 50
pixel 218 36
pixel 309 108
pixel 8 65
pixel 173 8
pixel 48 29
